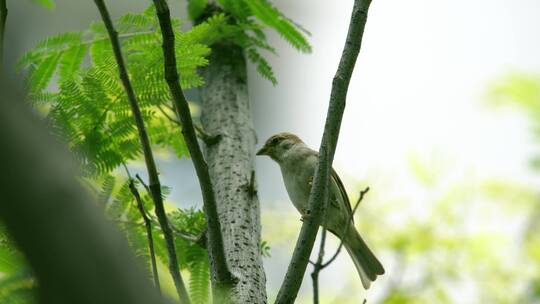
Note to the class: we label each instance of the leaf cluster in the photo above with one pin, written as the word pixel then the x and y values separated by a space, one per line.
pixel 244 26
pixel 121 207
pixel 16 282
pixel 88 106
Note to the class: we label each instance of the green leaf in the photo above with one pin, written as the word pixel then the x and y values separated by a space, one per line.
pixel 196 8
pixel 199 280
pixel 45 3
pixel 263 67
pixel 268 14
pixel 71 61
pixel 41 76
pixel 106 190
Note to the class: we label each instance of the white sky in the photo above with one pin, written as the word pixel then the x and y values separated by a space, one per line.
pixel 418 85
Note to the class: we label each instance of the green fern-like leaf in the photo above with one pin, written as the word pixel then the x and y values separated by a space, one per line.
pixel 196 8
pixel 42 74
pixel 263 67
pixel 269 15
pixel 237 8
pixel 134 22
pixel 49 46
pixel 199 280
pixel 71 60
pixel 106 190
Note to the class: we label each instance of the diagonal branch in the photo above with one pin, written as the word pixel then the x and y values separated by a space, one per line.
pixel 155 186
pixel 215 240
pixel 148 225
pixel 350 221
pixel 319 265
pixel 318 198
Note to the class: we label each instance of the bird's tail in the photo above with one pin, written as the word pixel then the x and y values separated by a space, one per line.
pixel 367 265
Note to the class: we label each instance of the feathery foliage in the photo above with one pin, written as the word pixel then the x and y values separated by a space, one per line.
pixel 122 209
pixel 73 79
pixel 88 106
pixel 244 24
pixel 16 282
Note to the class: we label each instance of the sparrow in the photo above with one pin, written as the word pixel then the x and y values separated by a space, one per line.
pixel 297 162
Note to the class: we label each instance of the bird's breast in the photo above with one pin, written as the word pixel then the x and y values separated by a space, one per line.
pixel 296 179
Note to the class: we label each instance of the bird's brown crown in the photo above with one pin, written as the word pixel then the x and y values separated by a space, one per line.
pixel 276 139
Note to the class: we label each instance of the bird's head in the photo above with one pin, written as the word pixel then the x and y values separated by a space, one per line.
pixel 278 145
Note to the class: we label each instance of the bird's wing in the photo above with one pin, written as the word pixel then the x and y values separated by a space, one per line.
pixel 342 191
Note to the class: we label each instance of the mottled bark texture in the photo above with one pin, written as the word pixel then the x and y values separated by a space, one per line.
pixel 226 111
pixel 221 276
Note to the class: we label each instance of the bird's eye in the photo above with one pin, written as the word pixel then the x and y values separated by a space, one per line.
pixel 275 141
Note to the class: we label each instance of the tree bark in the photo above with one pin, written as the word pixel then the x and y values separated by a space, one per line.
pixel 226 111
pixel 222 278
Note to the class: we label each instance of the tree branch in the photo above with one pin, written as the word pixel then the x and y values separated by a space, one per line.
pixel 3 18
pixel 148 225
pixel 350 221
pixel 197 239
pixel 318 198
pixel 223 277
pixel 155 186
pixel 201 134
pixel 319 265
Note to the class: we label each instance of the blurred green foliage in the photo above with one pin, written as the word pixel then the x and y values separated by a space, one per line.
pixel 45 3
pixel 445 232
pixel 462 237
pixel 72 79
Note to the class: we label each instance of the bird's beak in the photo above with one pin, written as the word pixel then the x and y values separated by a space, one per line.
pixel 263 151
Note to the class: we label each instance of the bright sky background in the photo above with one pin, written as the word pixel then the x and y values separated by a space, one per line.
pixel 419 87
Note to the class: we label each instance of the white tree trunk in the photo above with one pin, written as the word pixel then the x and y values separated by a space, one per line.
pixel 226 111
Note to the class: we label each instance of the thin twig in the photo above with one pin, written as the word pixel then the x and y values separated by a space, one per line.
pixel 223 277
pixel 317 267
pixel 3 19
pixel 201 134
pixel 148 225
pixel 318 198
pixel 155 185
pixel 195 239
pixel 143 183
pixel 347 227
pixel 173 120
